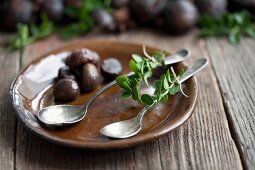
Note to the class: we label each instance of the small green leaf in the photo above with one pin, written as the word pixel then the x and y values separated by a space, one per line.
pixel 147 99
pixel 168 76
pixel 181 72
pixel 125 94
pixel 137 58
pixel 146 76
pixel 156 83
pixel 125 85
pixel 234 38
pixel 153 65
pixel 133 66
pixel 120 79
pixel 142 67
pixel 164 99
pixel 166 86
pixel 250 31
pixel 135 95
pixel 174 89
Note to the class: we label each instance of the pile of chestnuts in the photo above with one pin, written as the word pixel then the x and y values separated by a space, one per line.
pixel 174 16
pixel 83 73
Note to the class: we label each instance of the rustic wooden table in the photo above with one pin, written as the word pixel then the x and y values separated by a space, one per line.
pixel 219 135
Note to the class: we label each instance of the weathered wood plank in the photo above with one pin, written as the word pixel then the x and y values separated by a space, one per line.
pixel 235 70
pixel 9 66
pixel 203 142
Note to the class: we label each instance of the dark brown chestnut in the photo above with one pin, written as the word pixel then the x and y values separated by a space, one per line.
pixel 16 11
pixel 66 90
pixel 146 10
pixel 111 68
pixel 54 9
pixel 65 72
pixel 122 20
pixel 213 8
pixel 180 16
pixel 119 3
pixel 102 18
pixel 80 57
pixel 90 77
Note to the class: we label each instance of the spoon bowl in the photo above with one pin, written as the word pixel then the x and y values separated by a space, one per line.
pixel 61 115
pixel 122 129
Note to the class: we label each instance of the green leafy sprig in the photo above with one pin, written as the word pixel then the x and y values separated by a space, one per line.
pixel 26 36
pixel 142 68
pixel 168 84
pixel 232 25
pixel 83 21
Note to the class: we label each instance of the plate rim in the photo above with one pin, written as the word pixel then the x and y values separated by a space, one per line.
pixel 122 143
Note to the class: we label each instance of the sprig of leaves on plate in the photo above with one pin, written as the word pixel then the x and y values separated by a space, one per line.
pixel 232 25
pixel 26 35
pixel 168 84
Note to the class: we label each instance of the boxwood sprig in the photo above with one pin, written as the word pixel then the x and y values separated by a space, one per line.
pixel 142 68
pixel 168 84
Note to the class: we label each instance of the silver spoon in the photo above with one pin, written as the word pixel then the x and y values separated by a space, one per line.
pixel 131 127
pixel 61 115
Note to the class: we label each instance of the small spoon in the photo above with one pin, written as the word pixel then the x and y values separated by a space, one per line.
pixel 131 127
pixel 61 115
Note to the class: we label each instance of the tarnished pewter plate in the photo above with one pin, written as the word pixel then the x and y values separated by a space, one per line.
pixel 32 90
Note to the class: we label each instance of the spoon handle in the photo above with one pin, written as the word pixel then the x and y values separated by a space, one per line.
pixel 139 116
pixel 171 59
pixel 195 68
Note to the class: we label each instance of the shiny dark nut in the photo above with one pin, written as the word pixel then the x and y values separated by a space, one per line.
pixel 213 8
pixel 90 77
pixel 102 18
pixel 16 11
pixel 180 16
pixel 80 57
pixel 65 72
pixel 119 3
pixel 122 20
pixel 66 90
pixel 146 10
pixel 111 68
pixel 54 9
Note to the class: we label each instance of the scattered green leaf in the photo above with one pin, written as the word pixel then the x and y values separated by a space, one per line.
pixel 25 36
pixel 232 25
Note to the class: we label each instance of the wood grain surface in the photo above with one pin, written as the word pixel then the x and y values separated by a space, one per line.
pixel 236 76
pixel 9 67
pixel 219 134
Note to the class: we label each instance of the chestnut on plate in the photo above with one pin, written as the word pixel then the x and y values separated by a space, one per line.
pixel 90 77
pixel 65 72
pixel 66 90
pixel 111 68
pixel 80 57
